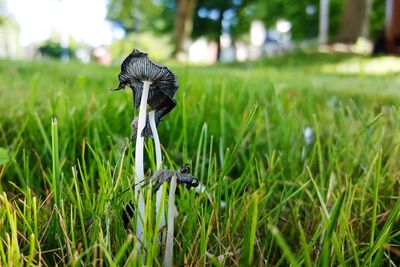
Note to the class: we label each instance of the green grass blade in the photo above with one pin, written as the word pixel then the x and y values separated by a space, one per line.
pixel 290 257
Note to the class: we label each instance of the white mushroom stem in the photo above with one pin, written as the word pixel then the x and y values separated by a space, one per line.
pixel 156 139
pixel 170 229
pixel 159 206
pixel 139 169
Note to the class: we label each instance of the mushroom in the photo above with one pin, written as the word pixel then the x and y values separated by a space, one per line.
pixel 154 85
pixel 174 177
pixel 135 70
pixel 182 177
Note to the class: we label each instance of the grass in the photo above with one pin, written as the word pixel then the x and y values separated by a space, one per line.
pixel 65 157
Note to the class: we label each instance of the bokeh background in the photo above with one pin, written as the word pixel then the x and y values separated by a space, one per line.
pixel 199 31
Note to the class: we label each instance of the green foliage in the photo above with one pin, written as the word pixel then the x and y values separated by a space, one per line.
pixel 210 25
pixel 334 202
pixel 142 15
pixel 4 16
pixel 335 16
pixel 158 17
pixel 306 25
pixel 54 50
pixel 377 18
pixel 145 41
pixel 3 156
pixel 303 25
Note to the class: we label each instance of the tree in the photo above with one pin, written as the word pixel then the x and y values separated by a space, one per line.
pixel 392 27
pixel 355 20
pixel 183 25
pixel 162 16
pixel 302 14
pixel 323 21
pixel 377 18
pixel 212 18
pixel 142 15
pixel 215 17
pixel 208 20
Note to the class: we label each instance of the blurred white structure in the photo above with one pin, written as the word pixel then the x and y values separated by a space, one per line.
pixel 258 33
pixel 102 55
pixel 202 51
pixel 283 25
pixel 83 55
pixel 9 39
pixel 242 52
pixel 263 42
pixel 229 52
pixel 61 20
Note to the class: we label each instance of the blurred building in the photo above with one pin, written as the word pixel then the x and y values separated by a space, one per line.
pixel 102 55
pixel 9 39
pixel 263 42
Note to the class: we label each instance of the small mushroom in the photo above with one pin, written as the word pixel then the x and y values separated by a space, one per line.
pixel 159 178
pixel 182 177
pixel 154 85
pixel 174 177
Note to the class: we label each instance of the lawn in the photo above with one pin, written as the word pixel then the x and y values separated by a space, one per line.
pixel 331 200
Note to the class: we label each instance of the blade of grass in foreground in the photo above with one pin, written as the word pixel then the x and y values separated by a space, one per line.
pixel 305 245
pixel 80 205
pixel 42 131
pixel 383 235
pixel 376 194
pixel 228 161
pixel 56 162
pixel 283 245
pixel 250 236
pixel 55 185
pixel 329 228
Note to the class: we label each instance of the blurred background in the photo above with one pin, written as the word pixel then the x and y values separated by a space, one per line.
pixel 198 31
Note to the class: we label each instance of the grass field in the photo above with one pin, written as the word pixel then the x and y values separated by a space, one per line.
pixel 334 201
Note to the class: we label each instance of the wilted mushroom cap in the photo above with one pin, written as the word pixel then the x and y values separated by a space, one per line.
pixel 137 68
pixel 182 177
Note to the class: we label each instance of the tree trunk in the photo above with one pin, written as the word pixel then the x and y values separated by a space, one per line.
pixel 183 26
pixel 323 21
pixel 219 30
pixel 392 26
pixel 355 21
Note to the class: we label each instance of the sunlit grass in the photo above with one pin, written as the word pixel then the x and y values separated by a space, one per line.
pixel 334 202
pixel 375 66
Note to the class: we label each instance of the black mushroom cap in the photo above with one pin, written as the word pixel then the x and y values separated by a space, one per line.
pixel 137 68
pixel 183 176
